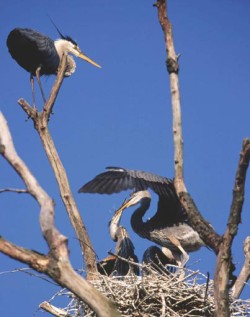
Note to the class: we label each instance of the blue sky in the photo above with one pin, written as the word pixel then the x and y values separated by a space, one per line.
pixel 120 115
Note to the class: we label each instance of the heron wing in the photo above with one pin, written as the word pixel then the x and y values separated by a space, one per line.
pixel 169 211
pixel 125 249
pixel 32 49
pixel 117 179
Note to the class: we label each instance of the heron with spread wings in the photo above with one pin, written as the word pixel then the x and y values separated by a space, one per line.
pixel 169 227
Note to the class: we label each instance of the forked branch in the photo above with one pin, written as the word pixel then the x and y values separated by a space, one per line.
pixel 209 236
pixel 41 120
pixel 56 264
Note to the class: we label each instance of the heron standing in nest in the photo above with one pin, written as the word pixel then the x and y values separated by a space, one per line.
pixel 169 227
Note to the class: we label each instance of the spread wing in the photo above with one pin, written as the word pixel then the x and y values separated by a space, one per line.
pixel 116 179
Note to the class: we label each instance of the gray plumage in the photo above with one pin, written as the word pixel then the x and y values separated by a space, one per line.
pixel 116 265
pixel 170 218
pixel 113 264
pixel 155 258
pixel 117 179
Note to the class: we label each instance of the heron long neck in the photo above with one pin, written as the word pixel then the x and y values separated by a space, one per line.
pixel 137 223
pixel 62 47
pixel 115 224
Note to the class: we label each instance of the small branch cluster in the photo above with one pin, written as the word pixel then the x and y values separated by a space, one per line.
pixel 56 263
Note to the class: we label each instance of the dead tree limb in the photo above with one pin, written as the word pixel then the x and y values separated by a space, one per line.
pixel 224 266
pixel 244 275
pixel 206 232
pixel 56 264
pixel 54 310
pixel 41 120
pixel 173 70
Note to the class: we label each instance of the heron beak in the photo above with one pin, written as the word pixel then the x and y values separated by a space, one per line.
pixel 120 210
pixel 125 204
pixel 87 59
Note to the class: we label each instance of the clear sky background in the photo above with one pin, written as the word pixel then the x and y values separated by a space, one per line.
pixel 120 115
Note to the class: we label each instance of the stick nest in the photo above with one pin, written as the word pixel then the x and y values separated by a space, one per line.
pixel 155 294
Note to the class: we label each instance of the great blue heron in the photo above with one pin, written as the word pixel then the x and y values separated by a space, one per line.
pixel 157 259
pixel 121 263
pixel 169 226
pixel 40 55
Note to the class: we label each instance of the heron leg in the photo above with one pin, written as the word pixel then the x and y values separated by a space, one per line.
pixel 39 83
pixel 181 258
pixel 33 91
pixel 185 256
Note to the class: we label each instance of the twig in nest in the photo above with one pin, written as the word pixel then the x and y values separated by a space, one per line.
pixel 125 260
pixel 157 295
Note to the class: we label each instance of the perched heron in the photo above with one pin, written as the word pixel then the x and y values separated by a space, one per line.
pixel 121 263
pixel 40 55
pixel 169 227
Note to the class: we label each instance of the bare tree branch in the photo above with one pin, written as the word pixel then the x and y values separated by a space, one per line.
pixel 244 275
pixel 37 261
pixel 40 120
pixel 224 266
pixel 209 236
pixel 173 69
pixel 56 264
pixel 14 190
pixel 54 310
pixel 206 232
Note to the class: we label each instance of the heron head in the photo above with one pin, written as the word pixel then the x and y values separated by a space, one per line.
pixel 67 44
pixel 75 50
pixel 135 198
pixel 70 46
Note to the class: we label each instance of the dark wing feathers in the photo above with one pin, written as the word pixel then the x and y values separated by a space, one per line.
pixel 32 49
pixel 116 179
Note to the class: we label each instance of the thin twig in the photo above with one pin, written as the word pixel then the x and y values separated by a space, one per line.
pixel 125 260
pixel 14 190
pixel 31 273
pixel 163 310
pixel 207 284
